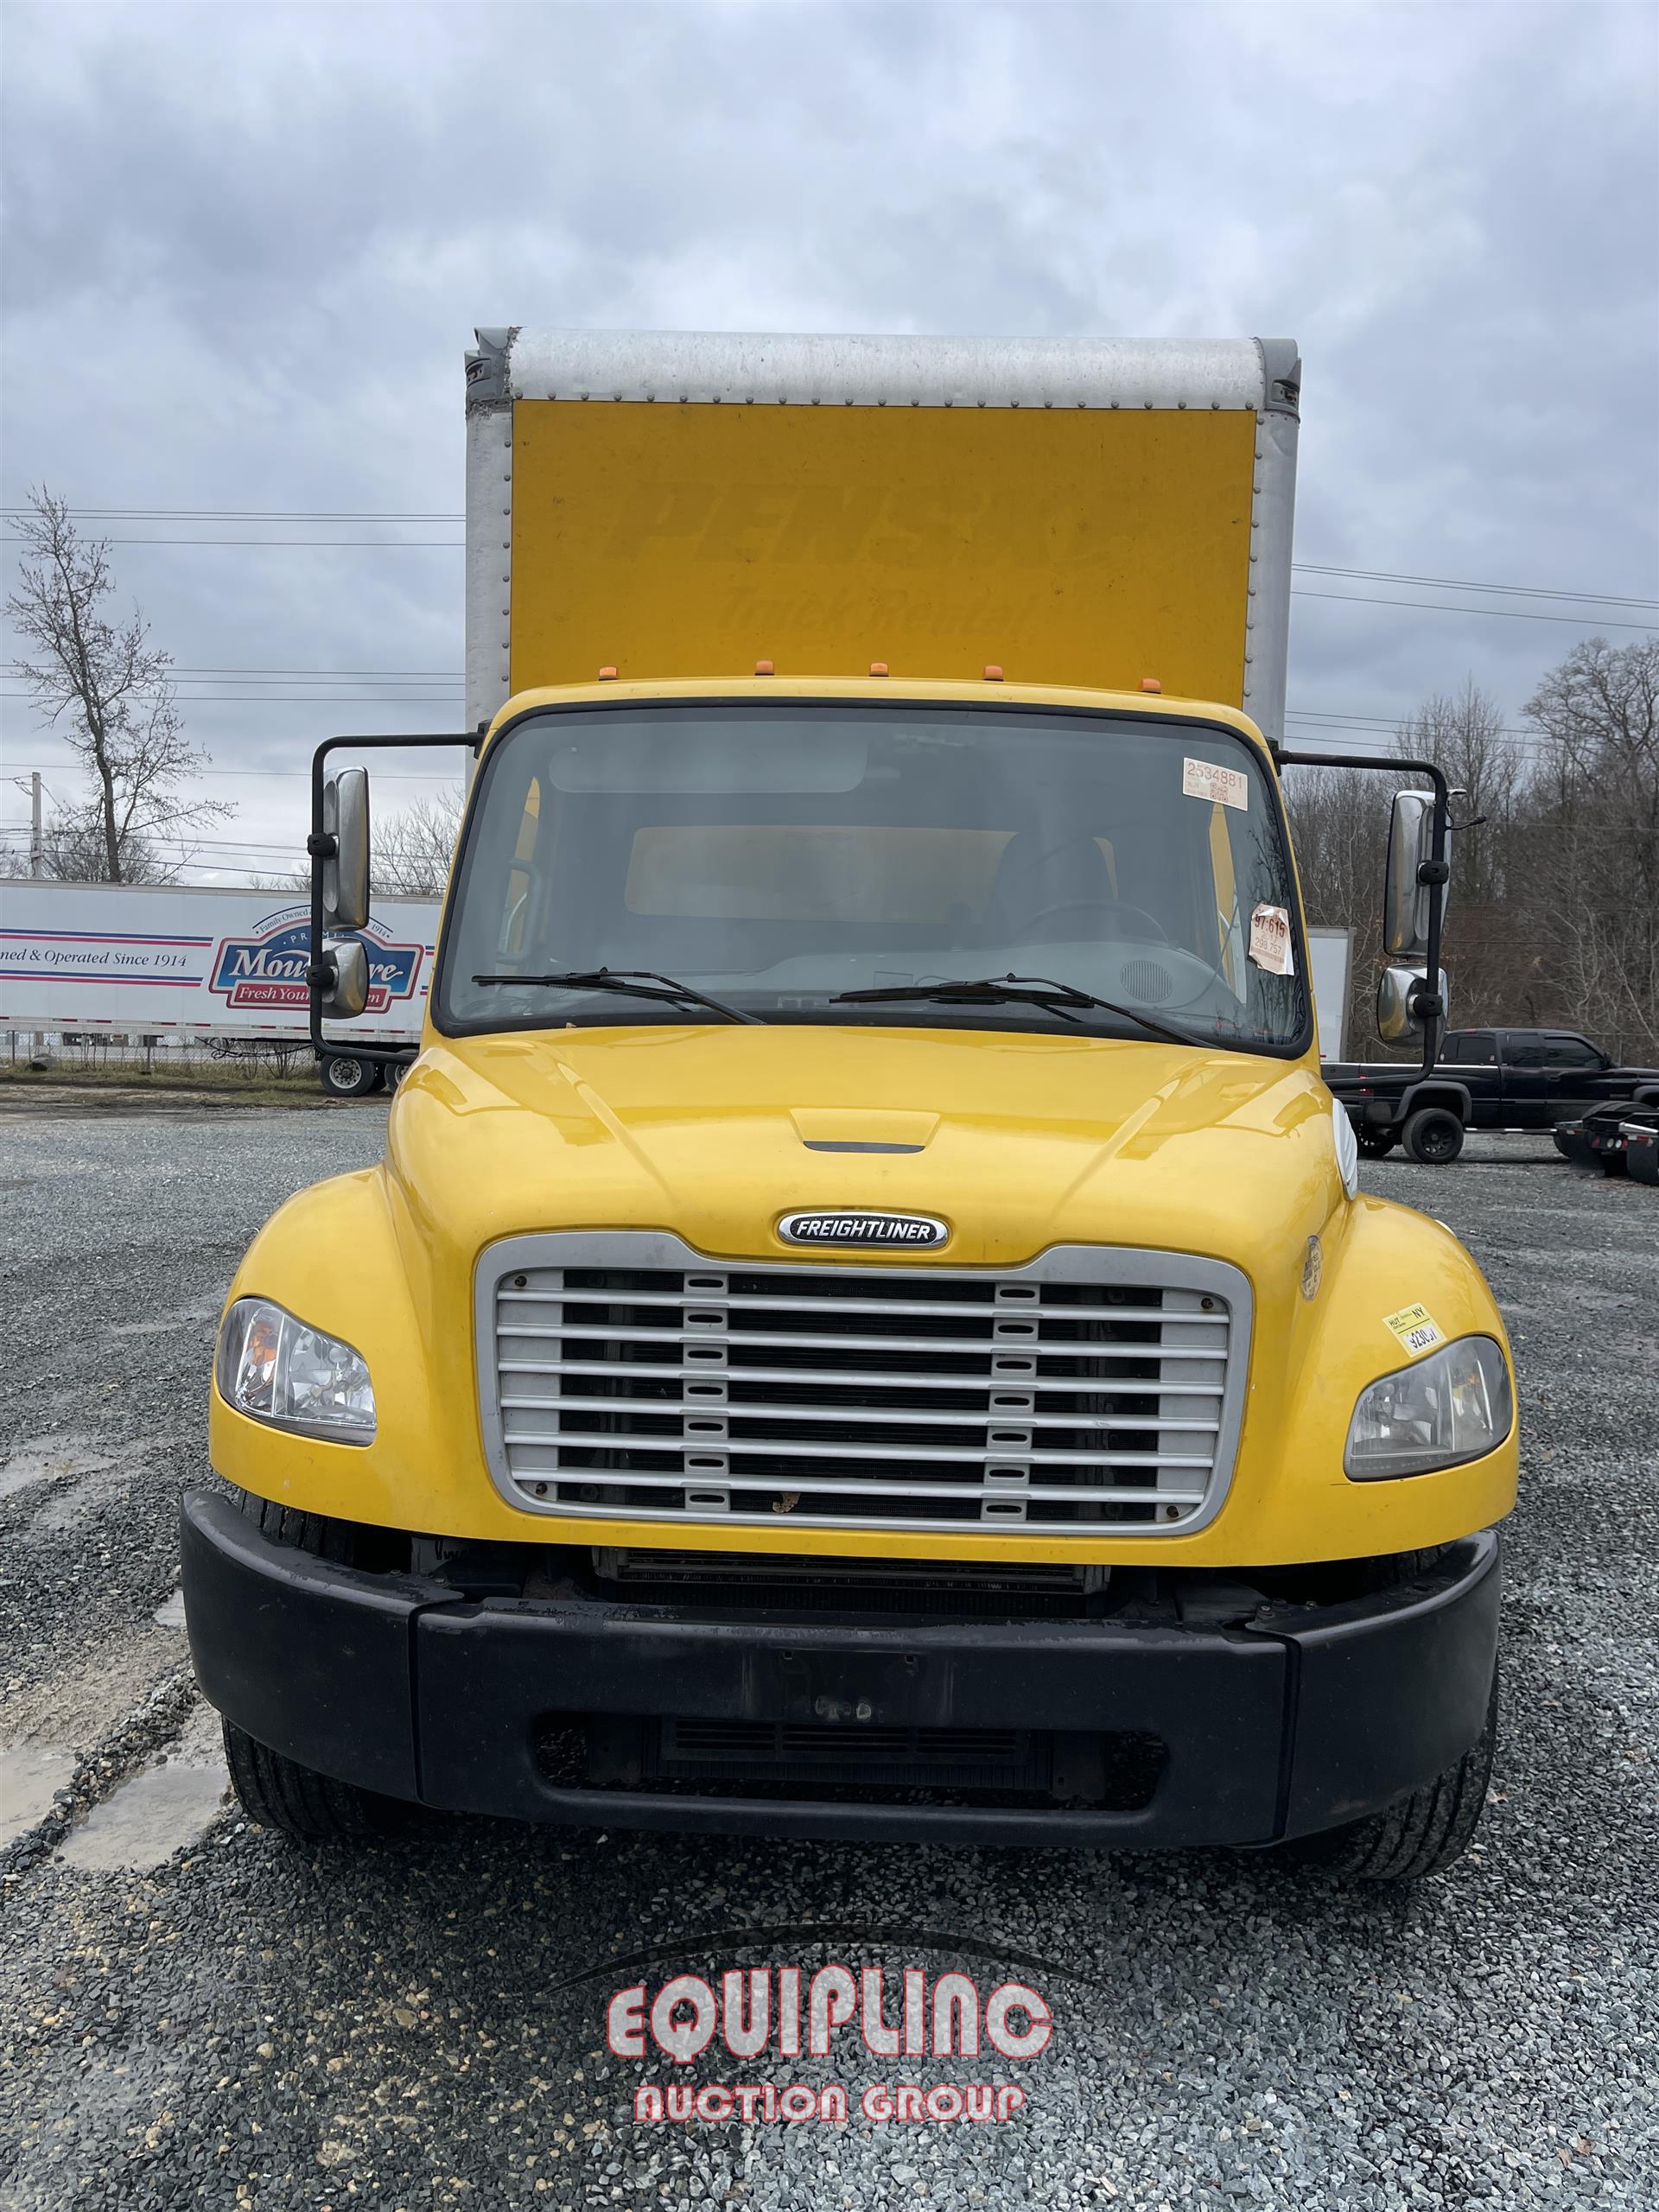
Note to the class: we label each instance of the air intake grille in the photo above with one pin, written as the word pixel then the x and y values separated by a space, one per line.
pixel 1094 1390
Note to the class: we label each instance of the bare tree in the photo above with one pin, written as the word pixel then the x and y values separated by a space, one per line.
pixel 413 847
pixel 1463 733
pixel 1340 817
pixel 1590 854
pixel 74 849
pixel 1554 913
pixel 412 850
pixel 107 690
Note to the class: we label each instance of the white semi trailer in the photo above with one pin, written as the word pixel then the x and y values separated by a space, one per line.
pixel 197 964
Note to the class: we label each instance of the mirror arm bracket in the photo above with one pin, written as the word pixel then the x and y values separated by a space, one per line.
pixel 321 844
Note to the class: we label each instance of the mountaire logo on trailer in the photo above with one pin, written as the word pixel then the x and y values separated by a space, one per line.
pixel 267 967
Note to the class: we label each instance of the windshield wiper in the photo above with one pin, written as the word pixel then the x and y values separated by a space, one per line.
pixel 639 982
pixel 1015 990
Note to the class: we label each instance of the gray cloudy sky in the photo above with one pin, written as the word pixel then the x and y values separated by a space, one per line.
pixel 246 246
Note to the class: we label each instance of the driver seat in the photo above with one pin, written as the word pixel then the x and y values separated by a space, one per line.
pixel 1034 875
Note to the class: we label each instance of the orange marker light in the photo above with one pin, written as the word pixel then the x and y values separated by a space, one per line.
pixel 765 668
pixel 992 673
pixel 877 668
pixel 607 674
pixel 1150 683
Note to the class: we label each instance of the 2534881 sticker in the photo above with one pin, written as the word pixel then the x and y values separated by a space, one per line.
pixel 1222 786
pixel 1416 1328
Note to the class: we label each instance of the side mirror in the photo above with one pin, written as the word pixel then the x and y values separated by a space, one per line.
pixel 1406 898
pixel 345 984
pixel 1399 995
pixel 346 870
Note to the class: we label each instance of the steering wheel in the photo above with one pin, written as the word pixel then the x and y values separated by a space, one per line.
pixel 1151 930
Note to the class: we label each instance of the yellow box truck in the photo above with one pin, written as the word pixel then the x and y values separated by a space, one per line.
pixel 867 1325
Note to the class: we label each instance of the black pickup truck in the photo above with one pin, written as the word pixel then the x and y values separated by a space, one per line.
pixel 1484 1079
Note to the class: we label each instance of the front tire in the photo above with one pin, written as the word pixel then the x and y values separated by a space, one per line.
pixel 1434 1136
pixel 1375 1147
pixel 1423 1833
pixel 274 1791
pixel 277 1792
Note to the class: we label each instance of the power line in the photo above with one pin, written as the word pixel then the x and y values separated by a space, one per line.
pixel 1439 606
pixel 1361 724
pixel 376 544
pixel 238 514
pixel 1464 583
pixel 428 515
pixel 436 675
pixel 455 545
pixel 1336 716
pixel 363 696
pixel 381 775
pixel 452 679
pixel 415 515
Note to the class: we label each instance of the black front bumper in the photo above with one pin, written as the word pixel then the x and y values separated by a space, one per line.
pixel 1308 1718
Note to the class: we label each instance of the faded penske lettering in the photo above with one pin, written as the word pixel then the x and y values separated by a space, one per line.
pixel 926 527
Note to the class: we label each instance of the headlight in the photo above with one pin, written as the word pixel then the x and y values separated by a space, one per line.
pixel 1453 1407
pixel 275 1369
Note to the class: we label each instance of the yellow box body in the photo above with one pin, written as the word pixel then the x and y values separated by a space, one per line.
pixel 1035 1139
pixel 1081 546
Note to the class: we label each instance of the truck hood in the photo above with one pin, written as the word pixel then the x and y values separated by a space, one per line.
pixel 1018 1141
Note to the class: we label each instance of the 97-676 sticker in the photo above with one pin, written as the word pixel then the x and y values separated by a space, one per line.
pixel 1416 1328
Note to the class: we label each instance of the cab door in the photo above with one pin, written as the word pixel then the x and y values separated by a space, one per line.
pixel 1526 1104
pixel 1573 1078
pixel 1470 1055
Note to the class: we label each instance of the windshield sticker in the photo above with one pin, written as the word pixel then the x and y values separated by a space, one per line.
pixel 1270 940
pixel 1220 786
pixel 1416 1328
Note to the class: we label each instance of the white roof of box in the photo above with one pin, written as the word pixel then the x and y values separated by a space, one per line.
pixel 739 368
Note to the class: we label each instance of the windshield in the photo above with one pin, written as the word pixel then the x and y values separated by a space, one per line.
pixel 776 856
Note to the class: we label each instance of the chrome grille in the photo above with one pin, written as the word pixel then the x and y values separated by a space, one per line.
pixel 1093 1390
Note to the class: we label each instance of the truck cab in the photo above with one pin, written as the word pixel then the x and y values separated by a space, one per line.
pixel 867 1325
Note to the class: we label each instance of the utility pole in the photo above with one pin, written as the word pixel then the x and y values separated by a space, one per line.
pixel 36 867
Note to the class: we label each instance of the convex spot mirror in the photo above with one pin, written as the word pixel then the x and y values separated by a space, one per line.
pixel 346 870
pixel 1407 906
pixel 345 992
pixel 1397 994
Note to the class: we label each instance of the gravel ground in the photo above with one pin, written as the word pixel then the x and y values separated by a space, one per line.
pixel 195 2013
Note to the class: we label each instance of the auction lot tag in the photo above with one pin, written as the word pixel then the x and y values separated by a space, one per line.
pixel 1416 1328
pixel 1224 786
pixel 1270 940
